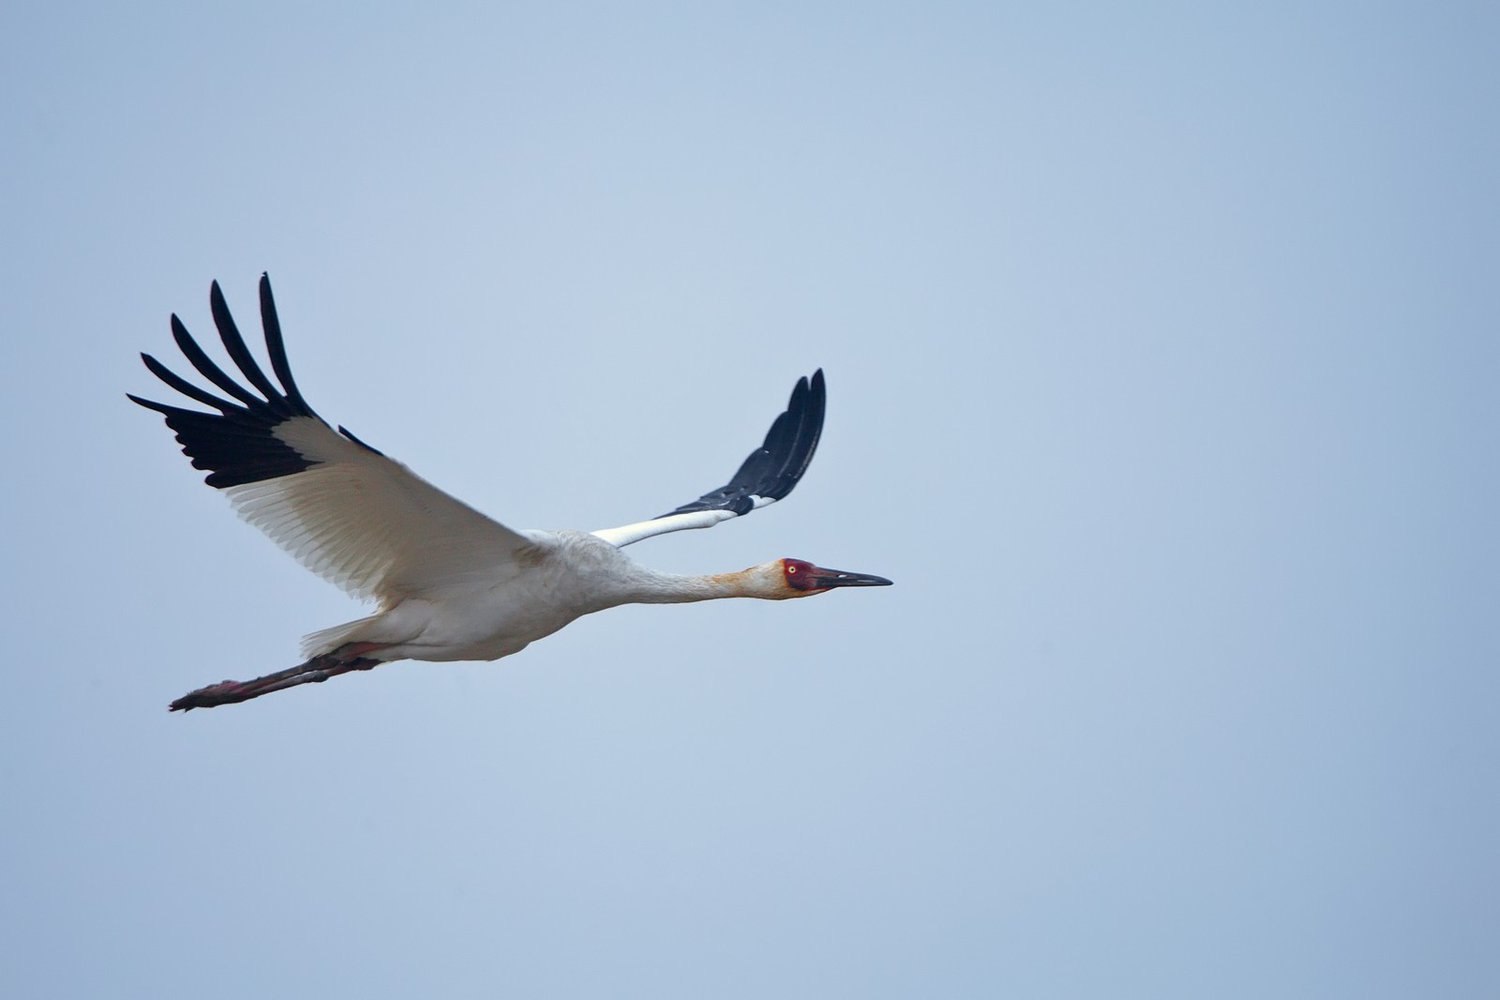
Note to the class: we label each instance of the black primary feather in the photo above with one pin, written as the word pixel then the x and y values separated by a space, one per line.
pixel 239 444
pixel 773 469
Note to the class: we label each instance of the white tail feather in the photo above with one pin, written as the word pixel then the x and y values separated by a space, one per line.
pixel 326 640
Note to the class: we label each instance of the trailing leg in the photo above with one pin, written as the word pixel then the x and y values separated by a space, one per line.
pixel 314 671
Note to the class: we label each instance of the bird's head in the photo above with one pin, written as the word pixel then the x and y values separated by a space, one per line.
pixel 800 578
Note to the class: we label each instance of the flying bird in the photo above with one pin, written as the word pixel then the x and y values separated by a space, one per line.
pixel 450 583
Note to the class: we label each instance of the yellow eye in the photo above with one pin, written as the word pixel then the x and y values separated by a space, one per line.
pixel 791 569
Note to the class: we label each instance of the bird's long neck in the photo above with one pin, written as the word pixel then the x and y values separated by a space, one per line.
pixel 650 587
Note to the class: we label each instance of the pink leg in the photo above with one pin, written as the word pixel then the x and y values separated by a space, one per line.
pixel 314 671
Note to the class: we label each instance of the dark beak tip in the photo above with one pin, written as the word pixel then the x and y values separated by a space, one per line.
pixel 859 580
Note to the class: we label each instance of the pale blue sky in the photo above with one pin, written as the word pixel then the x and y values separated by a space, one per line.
pixel 1161 349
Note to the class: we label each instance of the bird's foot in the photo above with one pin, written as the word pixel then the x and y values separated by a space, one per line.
pixel 207 696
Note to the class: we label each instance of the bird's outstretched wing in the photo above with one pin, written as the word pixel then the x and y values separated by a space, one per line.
pixel 768 474
pixel 344 510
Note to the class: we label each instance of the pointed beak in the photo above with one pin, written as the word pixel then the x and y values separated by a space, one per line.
pixel 826 579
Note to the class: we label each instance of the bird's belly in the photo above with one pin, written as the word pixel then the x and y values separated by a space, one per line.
pixel 485 627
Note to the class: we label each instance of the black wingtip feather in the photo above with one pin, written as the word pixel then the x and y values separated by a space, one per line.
pixel 183 386
pixel 271 323
pixel 229 334
pixel 148 403
pixel 239 444
pixel 205 365
pixel 773 470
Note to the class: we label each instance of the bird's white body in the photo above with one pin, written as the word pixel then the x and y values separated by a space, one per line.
pixel 567 574
pixel 450 582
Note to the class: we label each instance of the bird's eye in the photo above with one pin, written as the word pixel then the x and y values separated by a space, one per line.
pixel 791 569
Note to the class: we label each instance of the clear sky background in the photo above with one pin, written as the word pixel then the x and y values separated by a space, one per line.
pixel 1161 345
